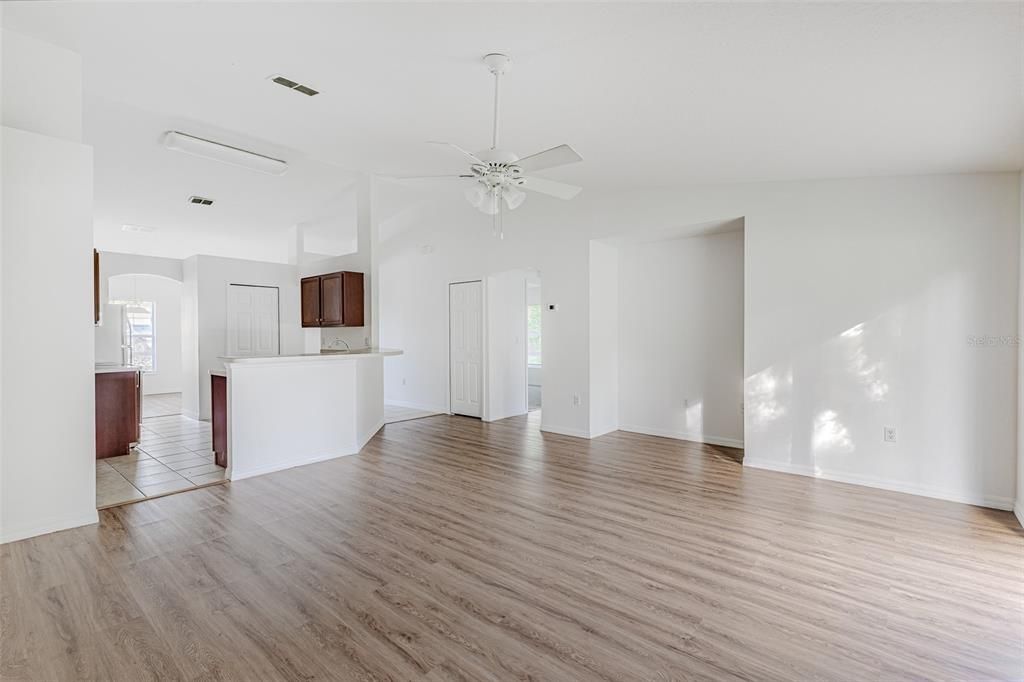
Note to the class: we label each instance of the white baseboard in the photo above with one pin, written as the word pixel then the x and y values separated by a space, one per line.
pixel 497 418
pixel 190 415
pixel 1018 511
pixel 602 430
pixel 373 432
pixel 416 406
pixel 565 431
pixel 51 526
pixel 1003 503
pixel 261 471
pixel 684 435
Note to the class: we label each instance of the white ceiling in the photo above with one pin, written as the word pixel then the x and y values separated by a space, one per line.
pixel 660 94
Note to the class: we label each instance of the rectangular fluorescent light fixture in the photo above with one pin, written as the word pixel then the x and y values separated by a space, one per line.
pixel 180 142
pixel 136 228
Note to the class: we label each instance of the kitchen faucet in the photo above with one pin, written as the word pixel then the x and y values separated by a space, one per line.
pixel 331 344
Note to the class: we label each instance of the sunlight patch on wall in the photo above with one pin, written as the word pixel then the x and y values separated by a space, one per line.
pixel 763 396
pixel 868 372
pixel 695 417
pixel 830 436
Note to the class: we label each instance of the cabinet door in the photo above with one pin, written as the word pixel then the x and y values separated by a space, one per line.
pixel 310 301
pixel 117 413
pixel 219 419
pixel 332 300
pixel 352 286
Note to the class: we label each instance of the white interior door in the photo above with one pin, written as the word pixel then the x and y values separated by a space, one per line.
pixel 466 342
pixel 253 321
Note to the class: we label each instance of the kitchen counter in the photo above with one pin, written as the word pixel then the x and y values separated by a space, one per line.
pixel 106 369
pixel 322 355
pixel 283 411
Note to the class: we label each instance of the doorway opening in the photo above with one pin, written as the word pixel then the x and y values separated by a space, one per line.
pixel 149 448
pixel 534 343
pixel 495 352
pixel 140 327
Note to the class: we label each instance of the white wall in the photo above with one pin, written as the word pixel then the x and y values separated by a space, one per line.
pixel 922 262
pixel 681 338
pixel 166 296
pixel 862 298
pixel 42 87
pixel 604 339
pixel 341 234
pixel 47 474
pixel 423 248
pixel 1019 506
pixel 505 315
pixel 190 337
pixel 204 311
pixel 113 263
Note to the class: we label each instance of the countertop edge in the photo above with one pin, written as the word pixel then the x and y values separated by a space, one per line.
pixel 310 357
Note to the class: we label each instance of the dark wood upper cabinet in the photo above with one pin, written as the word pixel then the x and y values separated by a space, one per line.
pixel 310 301
pixel 333 300
pixel 352 308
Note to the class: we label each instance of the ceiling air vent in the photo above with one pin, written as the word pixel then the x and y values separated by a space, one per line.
pixel 202 201
pixel 292 85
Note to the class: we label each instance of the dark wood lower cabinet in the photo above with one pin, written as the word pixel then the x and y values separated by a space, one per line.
pixel 118 412
pixel 219 419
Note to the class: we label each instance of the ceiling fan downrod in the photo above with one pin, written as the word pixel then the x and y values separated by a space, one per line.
pixel 499 65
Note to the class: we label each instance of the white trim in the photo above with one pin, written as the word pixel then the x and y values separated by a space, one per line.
pixel 565 431
pixel 51 526
pixel 1018 511
pixel 260 471
pixel 601 431
pixel 233 475
pixel 416 406
pixel 1003 503
pixel 373 432
pixel 684 435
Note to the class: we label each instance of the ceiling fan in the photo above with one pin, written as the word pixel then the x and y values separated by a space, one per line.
pixel 500 175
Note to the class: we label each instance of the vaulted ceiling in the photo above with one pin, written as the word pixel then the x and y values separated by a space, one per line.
pixel 650 94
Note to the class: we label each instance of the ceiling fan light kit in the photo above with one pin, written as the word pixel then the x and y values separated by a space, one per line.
pixel 499 174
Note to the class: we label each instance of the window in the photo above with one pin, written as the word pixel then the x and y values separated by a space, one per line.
pixel 138 334
pixel 533 335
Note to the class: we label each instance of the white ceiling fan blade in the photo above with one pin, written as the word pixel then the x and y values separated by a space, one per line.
pixel 550 187
pixel 425 177
pixel 549 158
pixel 472 157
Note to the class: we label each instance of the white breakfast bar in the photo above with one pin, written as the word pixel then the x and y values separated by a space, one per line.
pixel 288 410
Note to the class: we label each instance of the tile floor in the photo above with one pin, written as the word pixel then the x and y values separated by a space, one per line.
pixel 396 413
pixel 161 404
pixel 174 454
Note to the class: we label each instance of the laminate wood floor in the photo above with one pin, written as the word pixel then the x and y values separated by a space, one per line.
pixel 454 549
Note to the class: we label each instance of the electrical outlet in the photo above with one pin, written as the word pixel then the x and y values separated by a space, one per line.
pixel 575 399
pixel 889 434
